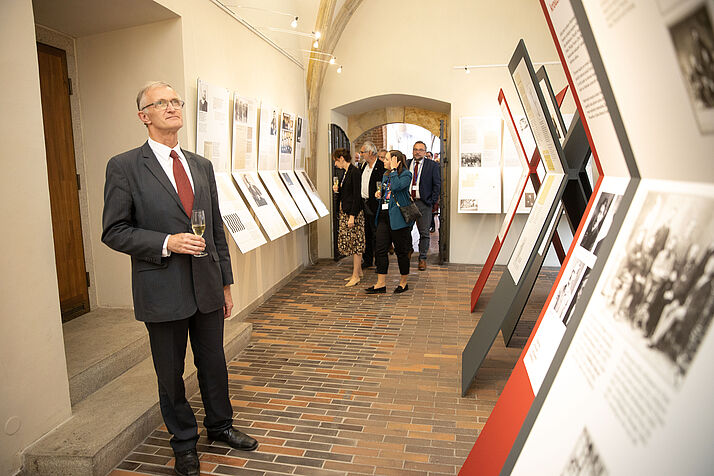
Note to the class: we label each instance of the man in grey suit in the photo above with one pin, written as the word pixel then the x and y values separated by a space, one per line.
pixel 149 194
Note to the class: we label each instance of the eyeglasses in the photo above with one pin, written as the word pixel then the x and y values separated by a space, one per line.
pixel 163 104
pixel 418 150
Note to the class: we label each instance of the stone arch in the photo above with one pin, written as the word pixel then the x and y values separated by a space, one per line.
pixel 357 124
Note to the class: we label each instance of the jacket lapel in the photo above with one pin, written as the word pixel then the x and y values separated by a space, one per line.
pixel 199 185
pixel 152 163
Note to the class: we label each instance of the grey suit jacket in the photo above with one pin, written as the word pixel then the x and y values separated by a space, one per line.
pixel 140 208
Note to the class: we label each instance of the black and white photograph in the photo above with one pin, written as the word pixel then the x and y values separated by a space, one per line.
pixel 308 181
pixel 568 286
pixel 286 142
pixel 585 460
pixel 529 199
pixel 240 111
pixel 471 159
pixel 661 290
pixel 203 102
pixel 597 218
pixel 286 178
pixel 468 204
pixel 274 124
pixel 254 191
pixel 298 130
pixel 693 41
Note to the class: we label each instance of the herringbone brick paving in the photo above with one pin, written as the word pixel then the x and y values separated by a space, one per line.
pixel 336 382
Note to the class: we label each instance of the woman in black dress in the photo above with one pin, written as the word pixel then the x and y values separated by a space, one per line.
pixel 350 234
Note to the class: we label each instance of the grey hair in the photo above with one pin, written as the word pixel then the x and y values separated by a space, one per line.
pixel 145 89
pixel 370 147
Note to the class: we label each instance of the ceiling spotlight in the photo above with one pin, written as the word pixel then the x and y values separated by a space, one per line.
pixel 467 70
pixel 332 60
pixel 339 70
pixel 294 23
pixel 316 44
pixel 318 35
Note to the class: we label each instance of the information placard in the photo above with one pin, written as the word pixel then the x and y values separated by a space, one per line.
pixel 480 165
pixel 236 216
pixel 282 198
pixel 213 126
pixel 257 197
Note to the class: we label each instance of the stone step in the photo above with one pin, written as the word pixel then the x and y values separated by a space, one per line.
pixel 100 346
pixel 107 424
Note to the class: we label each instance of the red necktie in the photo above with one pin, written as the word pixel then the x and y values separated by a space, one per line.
pixel 414 179
pixel 183 185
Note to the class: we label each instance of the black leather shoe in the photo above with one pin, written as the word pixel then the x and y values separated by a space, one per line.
pixel 373 290
pixel 400 290
pixel 235 439
pixel 187 463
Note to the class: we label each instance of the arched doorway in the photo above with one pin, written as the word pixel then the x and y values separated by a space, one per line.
pixel 367 116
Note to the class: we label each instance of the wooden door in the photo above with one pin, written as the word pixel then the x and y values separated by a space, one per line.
pixel 63 182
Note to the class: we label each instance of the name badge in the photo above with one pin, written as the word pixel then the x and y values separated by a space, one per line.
pixel 415 187
pixel 385 206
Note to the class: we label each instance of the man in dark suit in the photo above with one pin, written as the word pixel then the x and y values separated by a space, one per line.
pixel 148 197
pixel 372 172
pixel 425 190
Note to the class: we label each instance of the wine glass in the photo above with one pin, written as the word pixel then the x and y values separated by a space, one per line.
pixel 198 225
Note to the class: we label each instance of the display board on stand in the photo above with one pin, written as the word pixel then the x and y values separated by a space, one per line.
pixel 510 296
pixel 524 191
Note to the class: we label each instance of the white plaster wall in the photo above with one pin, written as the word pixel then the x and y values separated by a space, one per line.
pixel 34 394
pixel 410 47
pixel 207 43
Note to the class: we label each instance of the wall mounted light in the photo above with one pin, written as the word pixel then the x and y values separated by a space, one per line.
pixel 294 22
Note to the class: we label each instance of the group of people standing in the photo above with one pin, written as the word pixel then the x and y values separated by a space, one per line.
pixel 370 219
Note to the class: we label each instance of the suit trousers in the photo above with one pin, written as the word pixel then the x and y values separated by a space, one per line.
pixel 370 236
pixel 386 236
pixel 168 350
pixel 423 223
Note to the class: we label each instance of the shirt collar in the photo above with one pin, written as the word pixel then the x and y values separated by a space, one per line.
pixel 162 151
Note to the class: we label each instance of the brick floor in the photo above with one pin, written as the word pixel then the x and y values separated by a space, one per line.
pixel 337 382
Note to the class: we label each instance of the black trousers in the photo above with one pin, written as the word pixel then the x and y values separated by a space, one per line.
pixel 168 350
pixel 401 239
pixel 370 235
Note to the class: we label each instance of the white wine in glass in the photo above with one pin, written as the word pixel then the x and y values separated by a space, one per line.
pixel 198 225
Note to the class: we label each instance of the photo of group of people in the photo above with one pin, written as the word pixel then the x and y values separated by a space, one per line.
pixel 584 459
pixel 693 41
pixel 662 286
pixel 240 110
pixel 471 159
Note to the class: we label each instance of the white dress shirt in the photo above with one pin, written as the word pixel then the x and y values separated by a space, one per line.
pixel 162 152
pixel 366 174
pixel 418 179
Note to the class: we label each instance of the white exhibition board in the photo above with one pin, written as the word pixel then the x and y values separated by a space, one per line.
pixel 312 193
pixel 261 204
pixel 633 392
pixel 479 165
pixel 298 194
pixel 282 198
pixel 245 133
pixel 300 143
pixel 213 125
pixel 588 90
pixel 550 158
pixel 516 171
pixel 236 217
pixel 575 274
pixel 286 155
pixel 658 57
pixel 268 137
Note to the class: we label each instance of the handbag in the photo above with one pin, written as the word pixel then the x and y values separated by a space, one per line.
pixel 409 212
